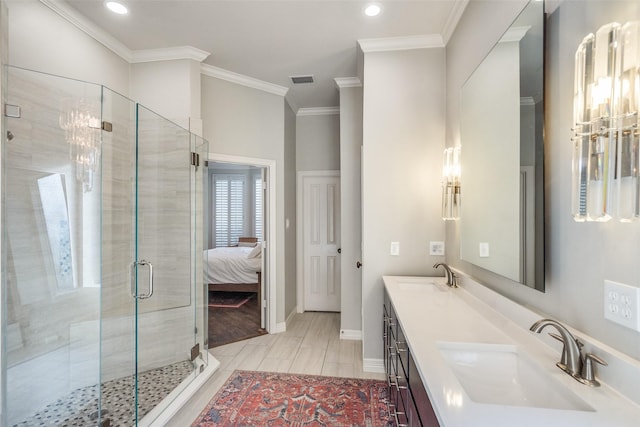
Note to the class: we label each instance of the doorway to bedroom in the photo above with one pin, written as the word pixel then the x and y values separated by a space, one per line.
pixel 234 261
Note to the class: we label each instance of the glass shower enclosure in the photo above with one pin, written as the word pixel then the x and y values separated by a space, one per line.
pixel 103 311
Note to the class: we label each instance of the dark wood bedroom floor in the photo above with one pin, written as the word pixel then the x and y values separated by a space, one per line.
pixel 227 325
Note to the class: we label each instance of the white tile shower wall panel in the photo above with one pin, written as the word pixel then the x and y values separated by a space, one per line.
pixel 42 311
pixel 164 338
pixel 164 210
pixel 118 209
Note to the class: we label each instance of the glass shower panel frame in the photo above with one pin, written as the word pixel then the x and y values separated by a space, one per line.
pixel 200 201
pixel 164 243
pixel 51 247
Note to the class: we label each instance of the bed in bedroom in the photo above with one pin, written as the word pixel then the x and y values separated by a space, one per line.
pixel 235 268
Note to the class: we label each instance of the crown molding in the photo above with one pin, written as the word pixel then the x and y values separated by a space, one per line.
pixel 87 26
pixel 345 82
pixel 168 54
pixel 149 55
pixel 454 17
pixel 243 80
pixel 318 111
pixel 401 43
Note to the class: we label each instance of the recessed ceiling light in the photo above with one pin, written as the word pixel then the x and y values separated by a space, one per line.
pixel 372 9
pixel 116 7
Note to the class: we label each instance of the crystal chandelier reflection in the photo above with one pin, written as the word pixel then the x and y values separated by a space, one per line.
pixel 78 118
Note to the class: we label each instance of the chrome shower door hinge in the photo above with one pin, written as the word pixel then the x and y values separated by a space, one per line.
pixel 195 351
pixel 195 159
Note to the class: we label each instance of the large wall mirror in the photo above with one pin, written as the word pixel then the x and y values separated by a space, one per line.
pixel 501 131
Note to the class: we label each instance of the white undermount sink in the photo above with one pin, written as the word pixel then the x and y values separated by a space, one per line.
pixel 499 374
pixel 419 285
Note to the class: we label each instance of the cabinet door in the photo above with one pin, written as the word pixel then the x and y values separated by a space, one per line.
pixel 419 393
pixel 413 418
pixel 401 348
pixel 385 336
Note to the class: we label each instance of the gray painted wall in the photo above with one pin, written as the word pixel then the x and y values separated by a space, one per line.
pixel 579 256
pixel 41 40
pixel 318 142
pixel 403 139
pixel 350 207
pixel 241 121
pixel 290 208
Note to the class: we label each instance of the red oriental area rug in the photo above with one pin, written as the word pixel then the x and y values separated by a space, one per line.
pixel 250 398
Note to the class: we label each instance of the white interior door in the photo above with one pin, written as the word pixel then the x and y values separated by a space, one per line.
pixel 321 260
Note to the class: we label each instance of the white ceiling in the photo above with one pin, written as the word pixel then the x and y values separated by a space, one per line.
pixel 273 40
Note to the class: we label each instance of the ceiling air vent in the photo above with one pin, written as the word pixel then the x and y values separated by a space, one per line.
pixel 299 80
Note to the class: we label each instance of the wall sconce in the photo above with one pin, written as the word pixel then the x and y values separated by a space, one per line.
pixel 451 184
pixel 82 132
pixel 606 158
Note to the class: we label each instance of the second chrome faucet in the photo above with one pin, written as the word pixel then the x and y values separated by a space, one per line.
pixel 452 280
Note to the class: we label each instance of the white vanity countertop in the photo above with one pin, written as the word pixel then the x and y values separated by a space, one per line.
pixel 454 316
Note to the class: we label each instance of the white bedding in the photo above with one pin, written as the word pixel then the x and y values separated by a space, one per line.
pixel 231 265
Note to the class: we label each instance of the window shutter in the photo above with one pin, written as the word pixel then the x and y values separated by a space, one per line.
pixel 258 208
pixel 229 209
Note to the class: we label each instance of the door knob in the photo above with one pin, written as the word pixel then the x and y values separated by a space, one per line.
pixel 358 264
pixel 339 250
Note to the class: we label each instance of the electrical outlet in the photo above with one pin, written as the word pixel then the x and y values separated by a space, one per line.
pixel 621 304
pixel 395 248
pixel 483 250
pixel 436 248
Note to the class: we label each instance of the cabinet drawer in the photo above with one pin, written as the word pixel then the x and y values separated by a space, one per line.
pixel 397 407
pixel 401 348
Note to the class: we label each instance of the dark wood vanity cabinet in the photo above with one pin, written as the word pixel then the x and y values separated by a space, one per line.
pixel 408 399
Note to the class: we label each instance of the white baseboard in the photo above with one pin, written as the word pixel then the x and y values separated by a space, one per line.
pixel 280 327
pixel 373 365
pixel 290 316
pixel 350 334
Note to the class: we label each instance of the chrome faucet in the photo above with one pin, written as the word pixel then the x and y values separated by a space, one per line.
pixel 571 360
pixel 452 280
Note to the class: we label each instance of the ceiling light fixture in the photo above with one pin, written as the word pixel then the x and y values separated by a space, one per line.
pixel 372 9
pixel 116 7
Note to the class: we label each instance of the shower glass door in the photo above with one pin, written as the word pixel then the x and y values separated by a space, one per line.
pixel 164 243
pixel 118 220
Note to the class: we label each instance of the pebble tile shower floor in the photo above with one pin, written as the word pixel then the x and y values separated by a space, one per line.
pixel 78 409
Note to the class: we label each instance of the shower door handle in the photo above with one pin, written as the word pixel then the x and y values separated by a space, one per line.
pixel 143 263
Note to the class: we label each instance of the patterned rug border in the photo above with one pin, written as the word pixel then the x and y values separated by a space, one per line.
pixel 200 421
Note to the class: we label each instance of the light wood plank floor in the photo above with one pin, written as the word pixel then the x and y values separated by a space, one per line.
pixel 311 345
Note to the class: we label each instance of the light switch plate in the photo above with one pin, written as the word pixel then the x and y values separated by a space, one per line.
pixel 395 248
pixel 621 304
pixel 436 248
pixel 483 250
